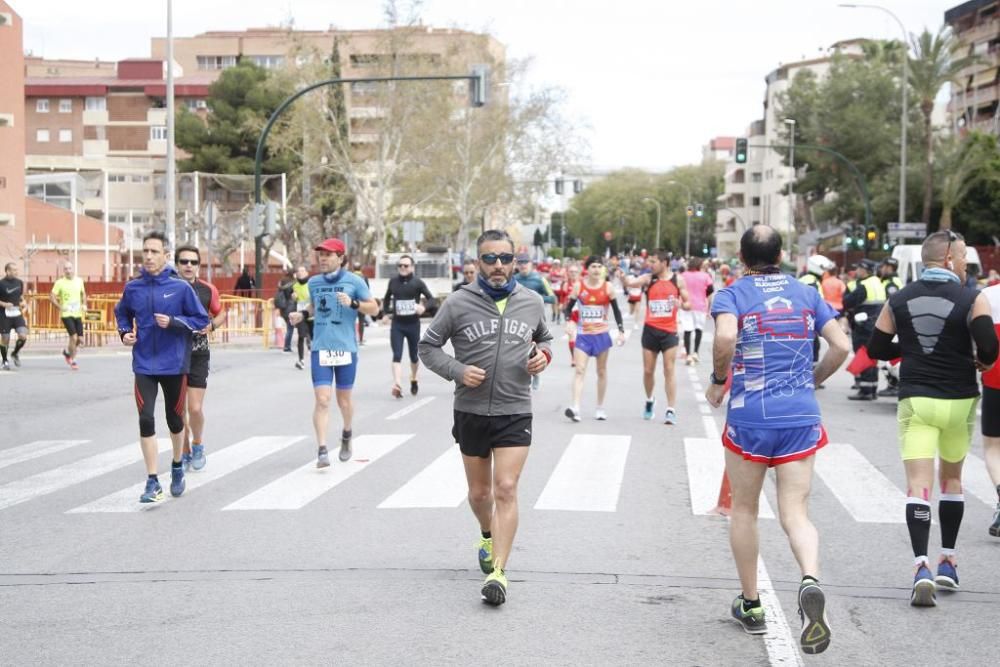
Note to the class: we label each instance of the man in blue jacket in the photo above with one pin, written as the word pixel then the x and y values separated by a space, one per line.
pixel 156 316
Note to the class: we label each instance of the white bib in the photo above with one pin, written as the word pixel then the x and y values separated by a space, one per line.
pixel 406 307
pixel 661 307
pixel 592 314
pixel 12 311
pixel 334 358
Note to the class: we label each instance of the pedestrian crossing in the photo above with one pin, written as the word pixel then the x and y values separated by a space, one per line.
pixel 591 474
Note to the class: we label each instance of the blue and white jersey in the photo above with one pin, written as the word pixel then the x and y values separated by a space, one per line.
pixel 334 322
pixel 772 370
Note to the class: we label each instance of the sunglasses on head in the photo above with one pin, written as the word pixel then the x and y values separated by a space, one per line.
pixel 952 237
pixel 189 262
pixel 492 257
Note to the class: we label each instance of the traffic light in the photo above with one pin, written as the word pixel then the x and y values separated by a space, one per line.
pixel 741 151
pixel 690 211
pixel 885 242
pixel 559 186
pixel 871 237
pixel 577 186
pixel 699 210
pixel 478 85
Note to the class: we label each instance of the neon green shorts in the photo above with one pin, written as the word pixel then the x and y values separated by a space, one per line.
pixel 932 427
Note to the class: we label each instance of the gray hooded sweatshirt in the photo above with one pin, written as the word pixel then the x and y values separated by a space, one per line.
pixel 497 342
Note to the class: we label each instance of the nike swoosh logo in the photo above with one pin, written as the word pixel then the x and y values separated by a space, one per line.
pixel 168 295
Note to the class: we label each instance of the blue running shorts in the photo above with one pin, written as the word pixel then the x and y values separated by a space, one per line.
pixel 324 375
pixel 593 344
pixel 774 446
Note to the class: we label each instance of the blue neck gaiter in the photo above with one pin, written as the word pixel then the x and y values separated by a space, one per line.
pixel 497 293
pixel 939 274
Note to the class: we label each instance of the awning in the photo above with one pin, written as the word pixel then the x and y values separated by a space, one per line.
pixel 984 78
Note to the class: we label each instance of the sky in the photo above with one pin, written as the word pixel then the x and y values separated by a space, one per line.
pixel 648 82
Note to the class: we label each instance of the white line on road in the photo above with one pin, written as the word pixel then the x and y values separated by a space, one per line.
pixel 865 493
pixel 703 406
pixel 35 450
pixel 410 408
pixel 588 477
pixel 307 483
pixel 706 463
pixel 221 463
pixel 711 430
pixel 440 484
pixel 976 480
pixel 782 649
pixel 73 473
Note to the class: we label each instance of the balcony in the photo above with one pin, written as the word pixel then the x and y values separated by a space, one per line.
pixel 95 117
pixel 95 148
pixel 156 116
pixel 157 147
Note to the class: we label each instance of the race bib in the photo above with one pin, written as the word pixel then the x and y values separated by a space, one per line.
pixel 661 307
pixel 334 358
pixel 406 307
pixel 591 314
pixel 556 285
pixel 12 311
pixel 301 306
pixel 72 307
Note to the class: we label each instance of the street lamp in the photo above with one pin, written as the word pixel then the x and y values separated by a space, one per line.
pixel 790 122
pixel 687 224
pixel 903 114
pixel 658 214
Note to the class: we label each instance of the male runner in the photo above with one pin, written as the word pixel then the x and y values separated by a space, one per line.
pixel 402 302
pixel 595 295
pixel 937 320
pixel 991 410
pixel 469 272
pixel 156 316
pixel 699 288
pixel 572 280
pixel 497 329
pixel 634 291
pixel 764 326
pixel 12 315
pixel 557 281
pixel 665 295
pixel 188 262
pixel 303 325
pixel 70 296
pixel 335 297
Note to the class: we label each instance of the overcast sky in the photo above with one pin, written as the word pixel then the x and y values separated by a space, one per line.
pixel 653 80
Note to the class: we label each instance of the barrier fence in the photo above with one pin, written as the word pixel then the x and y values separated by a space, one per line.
pixel 246 318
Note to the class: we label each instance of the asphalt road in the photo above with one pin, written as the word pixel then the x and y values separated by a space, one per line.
pixel 266 560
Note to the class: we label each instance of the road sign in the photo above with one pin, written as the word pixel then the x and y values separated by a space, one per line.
pixel 907 227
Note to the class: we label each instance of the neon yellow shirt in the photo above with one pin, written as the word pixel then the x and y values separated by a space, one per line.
pixel 69 292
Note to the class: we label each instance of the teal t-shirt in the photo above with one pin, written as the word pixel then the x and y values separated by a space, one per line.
pixel 334 322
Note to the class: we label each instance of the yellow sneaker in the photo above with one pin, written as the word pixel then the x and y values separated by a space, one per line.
pixel 494 589
pixel 486 555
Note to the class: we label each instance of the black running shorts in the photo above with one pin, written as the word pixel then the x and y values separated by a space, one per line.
pixel 658 340
pixel 74 325
pixel 991 412
pixel 477 435
pixel 198 374
pixel 8 324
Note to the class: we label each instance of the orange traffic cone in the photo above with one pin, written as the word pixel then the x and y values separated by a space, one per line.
pixel 725 502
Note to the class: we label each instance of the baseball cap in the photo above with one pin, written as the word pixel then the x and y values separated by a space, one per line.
pixel 332 245
pixel 521 259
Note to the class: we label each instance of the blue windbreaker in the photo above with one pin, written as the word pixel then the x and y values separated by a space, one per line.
pixel 159 351
pixel 536 282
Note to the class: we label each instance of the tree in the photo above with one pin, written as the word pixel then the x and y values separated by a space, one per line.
pixel 935 64
pixel 965 163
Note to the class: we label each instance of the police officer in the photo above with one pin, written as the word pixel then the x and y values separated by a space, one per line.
pixel 893 283
pixel 865 300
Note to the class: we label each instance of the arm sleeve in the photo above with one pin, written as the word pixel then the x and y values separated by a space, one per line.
pixel 431 343
pixel 568 310
pixel 618 315
pixel 985 336
pixel 880 346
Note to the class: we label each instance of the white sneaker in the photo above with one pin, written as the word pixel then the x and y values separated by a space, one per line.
pixel 572 414
pixel 600 415
pixel 694 358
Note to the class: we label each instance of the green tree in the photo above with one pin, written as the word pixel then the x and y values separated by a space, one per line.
pixel 964 164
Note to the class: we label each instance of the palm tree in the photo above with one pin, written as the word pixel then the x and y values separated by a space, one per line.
pixel 964 163
pixel 935 63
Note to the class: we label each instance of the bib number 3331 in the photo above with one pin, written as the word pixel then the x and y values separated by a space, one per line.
pixel 334 358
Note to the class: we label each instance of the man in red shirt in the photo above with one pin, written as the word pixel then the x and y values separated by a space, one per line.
pixel 991 411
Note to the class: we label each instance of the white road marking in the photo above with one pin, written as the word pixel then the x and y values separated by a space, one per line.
pixel 440 484
pixel 703 406
pixel 711 430
pixel 976 480
pixel 782 648
pixel 35 450
pixel 588 477
pixel 220 463
pixel 410 408
pixel 865 493
pixel 56 479
pixel 307 483
pixel 706 464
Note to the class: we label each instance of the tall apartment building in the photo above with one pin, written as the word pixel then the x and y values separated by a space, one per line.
pixel 976 92
pixel 755 191
pixel 12 213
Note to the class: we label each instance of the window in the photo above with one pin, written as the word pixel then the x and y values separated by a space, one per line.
pixel 364 87
pixel 268 62
pixel 65 106
pixel 117 218
pixel 364 60
pixel 140 218
pixel 755 201
pixel 96 104
pixel 158 133
pixel 57 194
pixel 6 120
pixel 215 62
pixel 196 104
pixel 140 178
pixel 42 106
pixel 65 136
pixel 41 136
pixel 116 178
pixel 756 177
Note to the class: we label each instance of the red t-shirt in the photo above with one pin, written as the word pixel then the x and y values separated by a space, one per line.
pixel 662 301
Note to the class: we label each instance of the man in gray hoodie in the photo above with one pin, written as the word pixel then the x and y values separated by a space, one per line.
pixel 497 330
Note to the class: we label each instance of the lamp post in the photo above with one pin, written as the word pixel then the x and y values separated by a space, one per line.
pixel 658 215
pixel 790 122
pixel 903 113
pixel 687 224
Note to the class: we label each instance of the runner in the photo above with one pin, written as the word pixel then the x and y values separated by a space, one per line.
pixel 937 321
pixel 332 294
pixel 156 316
pixel 536 282
pixel 188 263
pixel 402 302
pixel 665 295
pixel 557 280
pixel 595 295
pixel 497 329
pixel 634 292
pixel 699 288
pixel 304 325
pixel 469 271
pixel 70 297
pixel 12 316
pixel 764 325
pixel 991 410
pixel 572 280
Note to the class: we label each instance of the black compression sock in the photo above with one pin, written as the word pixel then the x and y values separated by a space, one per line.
pixel 154 478
pixel 697 340
pixel 998 492
pixel 687 342
pixel 3 353
pixel 19 344
pixel 951 508
pixel 918 522
pixel 486 534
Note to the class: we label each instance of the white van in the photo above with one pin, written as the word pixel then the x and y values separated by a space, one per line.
pixel 910 265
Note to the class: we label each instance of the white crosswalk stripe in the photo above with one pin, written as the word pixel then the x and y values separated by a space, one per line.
pixel 223 462
pixel 867 495
pixel 976 480
pixel 441 484
pixel 35 450
pixel 588 477
pixel 56 479
pixel 307 483
pixel 706 463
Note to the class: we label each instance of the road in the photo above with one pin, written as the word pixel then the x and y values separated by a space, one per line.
pixel 267 560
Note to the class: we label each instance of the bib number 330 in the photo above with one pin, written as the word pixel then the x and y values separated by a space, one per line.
pixel 334 358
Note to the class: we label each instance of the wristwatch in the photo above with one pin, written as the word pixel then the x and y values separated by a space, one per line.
pixel 355 304
pixel 717 380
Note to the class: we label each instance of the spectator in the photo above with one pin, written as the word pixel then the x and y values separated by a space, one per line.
pixel 245 284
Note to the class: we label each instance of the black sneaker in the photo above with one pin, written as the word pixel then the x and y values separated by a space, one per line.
pixel 345 446
pixel 414 388
pixel 815 637
pixel 16 357
pixel 889 392
pixel 995 526
pixel 751 619
pixel 862 396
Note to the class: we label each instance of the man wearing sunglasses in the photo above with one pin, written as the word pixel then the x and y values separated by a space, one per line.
pixel 469 271
pixel 188 262
pixel 402 302
pixel 497 328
